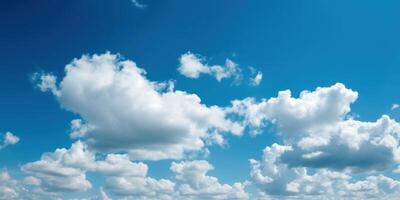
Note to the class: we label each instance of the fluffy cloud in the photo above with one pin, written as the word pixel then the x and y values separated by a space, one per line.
pixel 197 185
pixel 124 111
pixel 126 178
pixel 10 189
pixel 319 132
pixel 192 66
pixel 65 170
pixel 277 180
pixel 62 170
pixel 9 139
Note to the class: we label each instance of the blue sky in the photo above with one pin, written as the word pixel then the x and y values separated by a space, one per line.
pixel 295 45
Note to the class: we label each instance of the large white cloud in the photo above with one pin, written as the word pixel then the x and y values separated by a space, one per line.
pixel 277 180
pixel 8 139
pixel 123 111
pixel 317 128
pixel 197 185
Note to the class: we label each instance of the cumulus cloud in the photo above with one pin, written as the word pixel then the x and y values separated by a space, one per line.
pixel 62 170
pixel 9 139
pixel 126 178
pixel 124 111
pixel 276 180
pixel 65 170
pixel 192 66
pixel 197 185
pixel 316 128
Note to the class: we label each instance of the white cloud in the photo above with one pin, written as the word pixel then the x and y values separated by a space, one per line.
pixel 316 127
pixel 197 185
pixel 126 178
pixel 192 66
pixel 127 112
pixel 277 180
pixel 9 139
pixel 79 129
pixel 395 106
pixel 63 170
pixel 138 4
pixel 257 77
pixel 10 189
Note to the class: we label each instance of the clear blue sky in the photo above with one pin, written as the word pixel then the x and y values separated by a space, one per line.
pixel 297 45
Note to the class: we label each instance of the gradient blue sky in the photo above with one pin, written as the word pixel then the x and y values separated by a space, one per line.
pixel 297 45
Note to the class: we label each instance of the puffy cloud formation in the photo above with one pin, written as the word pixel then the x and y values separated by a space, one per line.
pixel 277 180
pixel 197 185
pixel 63 170
pixel 9 139
pixel 319 132
pixel 192 66
pixel 126 178
pixel 124 111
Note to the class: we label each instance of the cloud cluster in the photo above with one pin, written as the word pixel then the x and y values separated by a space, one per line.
pixel 323 146
pixel 9 139
pixel 126 117
pixel 319 132
pixel 124 111
pixel 65 170
pixel 197 185
pixel 277 180
pixel 62 170
pixel 9 188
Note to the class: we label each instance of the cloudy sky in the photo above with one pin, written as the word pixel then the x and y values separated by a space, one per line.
pixel 199 100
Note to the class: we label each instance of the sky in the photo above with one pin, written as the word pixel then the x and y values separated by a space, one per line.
pixel 145 99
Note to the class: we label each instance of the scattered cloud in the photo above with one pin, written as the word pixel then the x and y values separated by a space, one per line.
pixel 395 106
pixel 9 139
pixel 65 170
pixel 322 144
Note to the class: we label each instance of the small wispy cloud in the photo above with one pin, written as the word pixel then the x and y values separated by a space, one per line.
pixel 138 4
pixel 9 139
pixel 256 78
pixel 395 106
